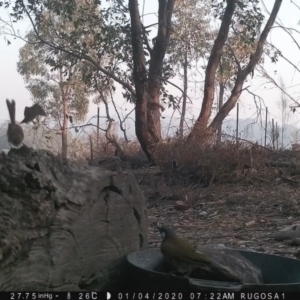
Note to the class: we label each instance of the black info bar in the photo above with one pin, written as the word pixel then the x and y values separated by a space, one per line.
pixel 150 295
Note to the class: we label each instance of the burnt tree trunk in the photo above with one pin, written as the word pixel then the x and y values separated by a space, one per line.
pixel 66 227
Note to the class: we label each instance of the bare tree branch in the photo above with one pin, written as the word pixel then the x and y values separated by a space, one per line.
pixel 119 117
pixel 280 53
pixel 262 70
pixel 295 4
pixel 212 65
pixel 262 39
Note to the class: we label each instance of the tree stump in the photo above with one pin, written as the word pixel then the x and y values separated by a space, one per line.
pixel 63 225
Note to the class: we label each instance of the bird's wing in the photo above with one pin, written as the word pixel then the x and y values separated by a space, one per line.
pixel 184 251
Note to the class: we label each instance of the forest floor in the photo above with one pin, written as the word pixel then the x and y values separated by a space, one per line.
pixel 235 215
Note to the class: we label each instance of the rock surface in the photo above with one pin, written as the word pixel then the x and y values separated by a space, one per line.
pixel 288 233
pixel 62 224
pixel 234 262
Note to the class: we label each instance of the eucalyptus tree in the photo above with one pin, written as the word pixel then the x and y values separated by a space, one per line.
pixel 243 18
pixel 137 67
pixel 140 67
pixel 239 48
pixel 53 79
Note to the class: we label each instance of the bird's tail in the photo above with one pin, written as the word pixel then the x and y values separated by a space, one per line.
pixel 223 271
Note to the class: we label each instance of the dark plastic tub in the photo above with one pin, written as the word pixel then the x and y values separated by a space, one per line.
pixel 148 272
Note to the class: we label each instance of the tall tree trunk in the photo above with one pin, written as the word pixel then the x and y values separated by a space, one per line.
pixel 184 96
pixel 221 96
pixel 212 65
pixel 243 73
pixel 214 59
pixel 140 79
pixel 147 112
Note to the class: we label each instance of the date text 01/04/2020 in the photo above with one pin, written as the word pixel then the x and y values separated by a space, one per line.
pixel 148 296
pixel 201 296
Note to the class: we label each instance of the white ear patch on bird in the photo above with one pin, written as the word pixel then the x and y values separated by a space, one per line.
pixel 163 234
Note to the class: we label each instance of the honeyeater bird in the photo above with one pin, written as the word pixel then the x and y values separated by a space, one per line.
pixel 184 257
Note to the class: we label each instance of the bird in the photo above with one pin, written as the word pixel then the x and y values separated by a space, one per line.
pixel 15 134
pixel 30 113
pixel 184 257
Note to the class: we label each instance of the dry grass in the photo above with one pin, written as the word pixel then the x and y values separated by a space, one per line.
pixel 253 194
pixel 238 195
pixel 207 163
pixel 203 162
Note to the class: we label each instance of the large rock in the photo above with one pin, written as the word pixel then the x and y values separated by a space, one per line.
pixel 62 224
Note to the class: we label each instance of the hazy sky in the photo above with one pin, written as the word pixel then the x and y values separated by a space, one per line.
pixel 12 84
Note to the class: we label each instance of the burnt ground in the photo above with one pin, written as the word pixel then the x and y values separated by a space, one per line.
pixel 236 215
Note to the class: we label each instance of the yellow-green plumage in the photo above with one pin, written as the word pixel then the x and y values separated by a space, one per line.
pixel 183 256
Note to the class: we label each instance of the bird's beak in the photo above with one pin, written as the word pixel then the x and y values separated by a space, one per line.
pixel 159 228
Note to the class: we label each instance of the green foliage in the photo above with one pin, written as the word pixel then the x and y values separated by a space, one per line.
pixel 49 82
pixel 99 33
pixel 191 29
pixel 243 36
pixel 88 30
pixel 247 13
pixel 191 33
